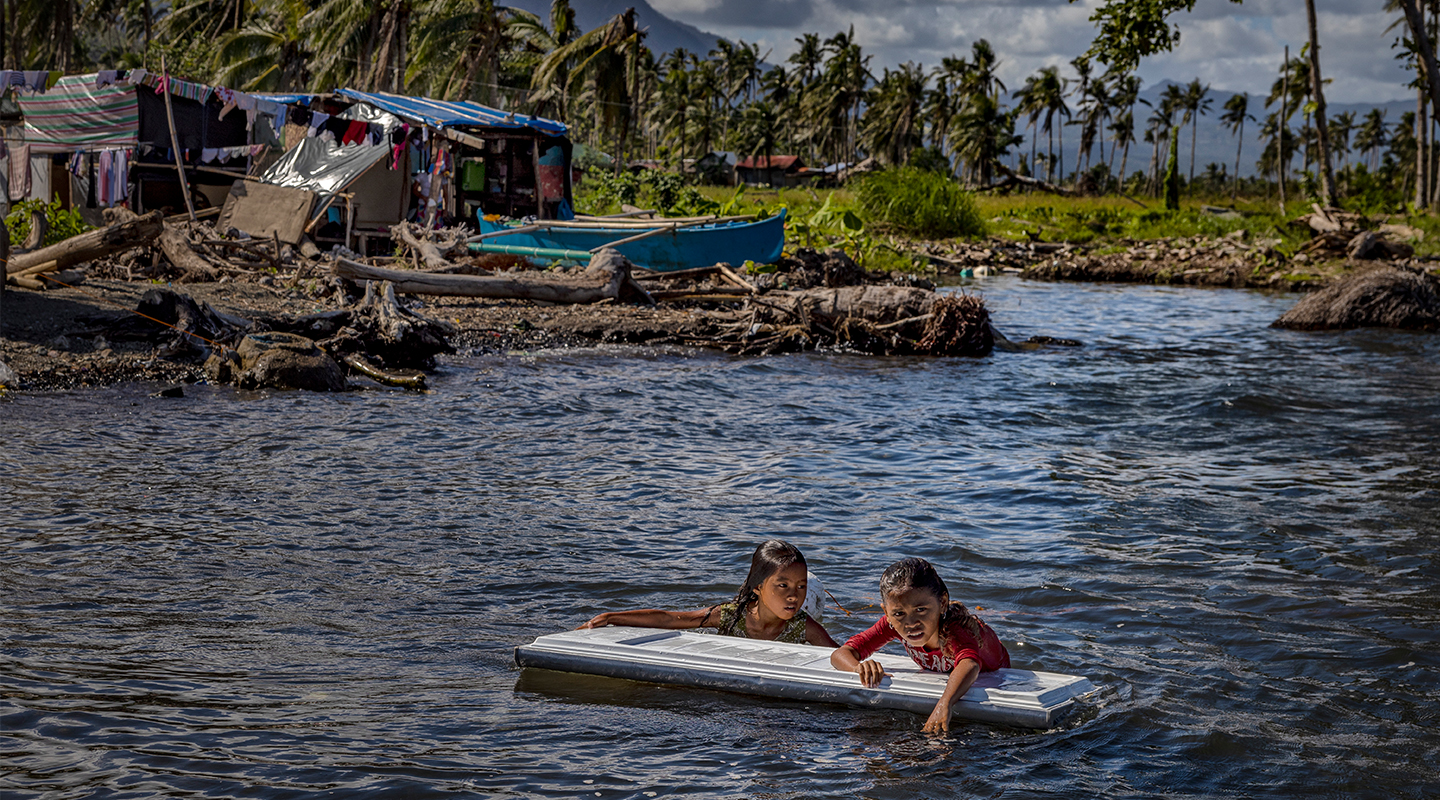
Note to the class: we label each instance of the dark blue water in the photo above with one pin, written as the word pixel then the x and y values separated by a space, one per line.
pixel 1232 529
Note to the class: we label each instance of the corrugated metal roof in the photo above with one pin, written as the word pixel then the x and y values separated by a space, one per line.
pixel 453 113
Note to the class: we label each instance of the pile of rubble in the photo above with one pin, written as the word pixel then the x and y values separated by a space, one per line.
pixel 1343 234
pixel 1231 260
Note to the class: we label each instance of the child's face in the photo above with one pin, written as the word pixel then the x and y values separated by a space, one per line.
pixel 783 593
pixel 915 615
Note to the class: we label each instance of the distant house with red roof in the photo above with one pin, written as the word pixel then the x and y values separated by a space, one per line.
pixel 771 171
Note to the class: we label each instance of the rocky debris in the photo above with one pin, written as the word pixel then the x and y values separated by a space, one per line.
pixel 1387 296
pixel 166 315
pixel 808 269
pixel 276 360
pixel 1199 261
pixel 989 257
pixel 1343 234
pixel 1331 220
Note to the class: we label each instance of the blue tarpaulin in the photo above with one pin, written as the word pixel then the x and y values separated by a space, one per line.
pixel 453 113
pixel 285 99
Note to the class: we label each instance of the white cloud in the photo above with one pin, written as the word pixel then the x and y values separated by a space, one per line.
pixel 1232 47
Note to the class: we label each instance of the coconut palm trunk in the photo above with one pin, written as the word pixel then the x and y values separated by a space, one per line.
pixel 1322 136
pixel 1239 143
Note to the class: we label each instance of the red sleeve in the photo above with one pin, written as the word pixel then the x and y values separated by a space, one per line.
pixel 988 652
pixel 873 638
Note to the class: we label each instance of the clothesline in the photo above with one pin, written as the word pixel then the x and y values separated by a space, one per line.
pixel 32 80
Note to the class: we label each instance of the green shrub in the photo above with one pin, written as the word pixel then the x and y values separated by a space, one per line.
pixel 918 202
pixel 64 222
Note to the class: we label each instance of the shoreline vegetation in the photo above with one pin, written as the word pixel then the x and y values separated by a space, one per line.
pixel 87 334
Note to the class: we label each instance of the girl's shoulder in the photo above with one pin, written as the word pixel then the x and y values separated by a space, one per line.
pixel 729 620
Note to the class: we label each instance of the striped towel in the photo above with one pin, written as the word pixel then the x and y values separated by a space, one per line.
pixel 74 115
pixel 198 92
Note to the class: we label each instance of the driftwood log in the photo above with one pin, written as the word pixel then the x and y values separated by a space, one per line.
pixel 1012 178
pixel 39 226
pixel 178 251
pixel 889 320
pixel 608 275
pixel 91 245
pixel 431 253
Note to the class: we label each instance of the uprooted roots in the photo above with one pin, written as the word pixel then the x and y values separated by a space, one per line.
pixel 959 325
pixel 946 326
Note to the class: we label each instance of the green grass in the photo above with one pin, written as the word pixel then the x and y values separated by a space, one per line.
pixel 916 202
pixel 1101 219
pixel 1105 223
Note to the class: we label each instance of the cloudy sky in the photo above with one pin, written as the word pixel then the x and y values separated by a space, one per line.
pixel 1232 47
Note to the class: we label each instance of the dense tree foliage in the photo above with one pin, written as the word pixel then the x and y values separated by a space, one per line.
pixel 825 102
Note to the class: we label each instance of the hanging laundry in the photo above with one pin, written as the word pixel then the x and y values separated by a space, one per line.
pixel 20 172
pixel 104 184
pixel 209 155
pixel 293 135
pixel 77 163
pixel 189 90
pixel 397 139
pixel 355 132
pixel 137 75
pixel 317 119
pixel 120 178
pixel 35 80
pixel 105 77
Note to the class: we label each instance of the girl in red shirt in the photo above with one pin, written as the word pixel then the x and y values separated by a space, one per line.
pixel 939 635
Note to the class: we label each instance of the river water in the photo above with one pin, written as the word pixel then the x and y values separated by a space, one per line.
pixel 1231 529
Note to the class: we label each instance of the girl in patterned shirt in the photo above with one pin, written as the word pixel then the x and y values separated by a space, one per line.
pixel 767 607
pixel 938 635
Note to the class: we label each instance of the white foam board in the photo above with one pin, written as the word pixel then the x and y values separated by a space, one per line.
pixel 800 672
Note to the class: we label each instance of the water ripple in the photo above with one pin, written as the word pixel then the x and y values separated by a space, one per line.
pixel 1231 529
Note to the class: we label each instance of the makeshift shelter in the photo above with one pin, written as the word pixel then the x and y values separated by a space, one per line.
pixel 504 163
pixel 777 171
pixel 368 159
pixel 111 131
pixel 441 161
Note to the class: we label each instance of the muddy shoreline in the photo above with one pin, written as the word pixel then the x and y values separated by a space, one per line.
pixel 65 338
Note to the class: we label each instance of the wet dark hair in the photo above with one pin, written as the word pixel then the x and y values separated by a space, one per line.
pixel 770 557
pixel 917 573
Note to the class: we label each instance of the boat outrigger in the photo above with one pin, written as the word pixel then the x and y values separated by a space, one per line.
pixel 799 672
pixel 662 245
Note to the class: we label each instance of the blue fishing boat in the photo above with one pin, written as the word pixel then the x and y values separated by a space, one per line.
pixel 661 245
